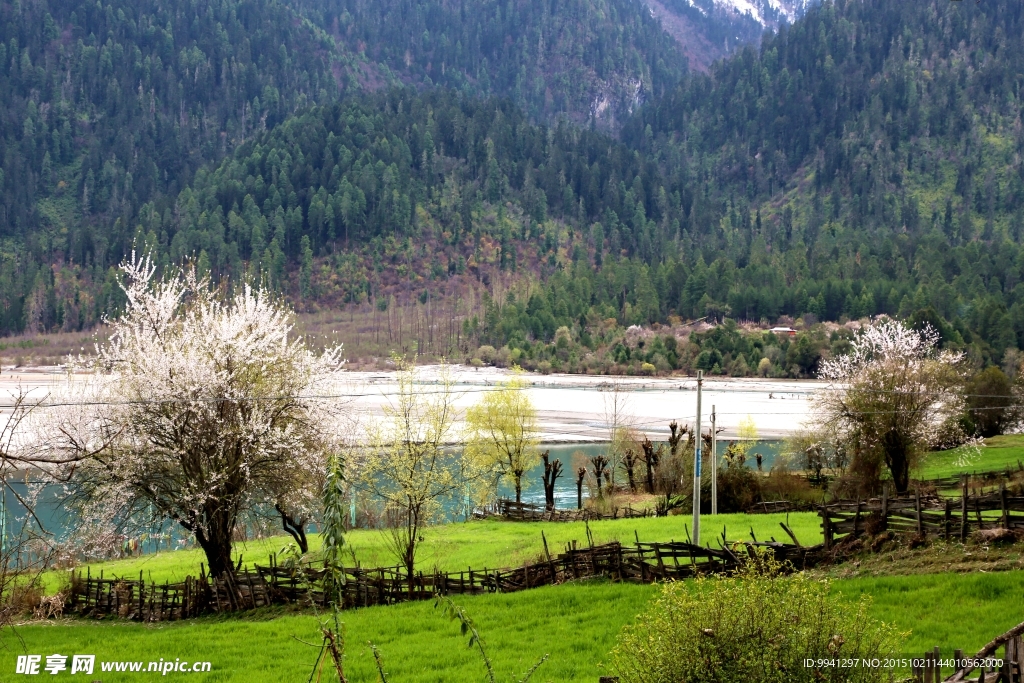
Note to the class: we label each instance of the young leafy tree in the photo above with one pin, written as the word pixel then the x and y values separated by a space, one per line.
pixel 502 433
pixel 406 464
pixel 890 398
pixel 333 528
pixel 619 420
pixel 204 410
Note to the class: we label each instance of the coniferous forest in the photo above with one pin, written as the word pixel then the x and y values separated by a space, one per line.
pixel 556 163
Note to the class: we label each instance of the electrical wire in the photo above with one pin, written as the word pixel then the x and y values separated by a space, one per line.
pixel 43 403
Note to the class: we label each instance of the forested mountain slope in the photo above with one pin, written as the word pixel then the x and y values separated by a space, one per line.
pixel 593 61
pixel 709 30
pixel 112 107
pixel 867 159
pixel 109 106
pixel 405 190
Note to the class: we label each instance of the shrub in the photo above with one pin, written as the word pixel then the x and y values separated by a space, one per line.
pixel 739 488
pixel 757 626
pixel 990 402
pixel 782 485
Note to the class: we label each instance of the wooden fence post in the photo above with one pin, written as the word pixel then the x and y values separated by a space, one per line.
pixel 1004 502
pixel 946 519
pixel 963 509
pixel 917 509
pixel 885 506
pixel 826 527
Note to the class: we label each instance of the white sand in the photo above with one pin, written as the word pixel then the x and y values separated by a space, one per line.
pixel 578 407
pixel 572 408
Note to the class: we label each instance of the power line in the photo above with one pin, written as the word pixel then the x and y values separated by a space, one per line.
pixel 456 392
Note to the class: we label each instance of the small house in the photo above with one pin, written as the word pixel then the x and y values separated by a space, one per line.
pixel 783 331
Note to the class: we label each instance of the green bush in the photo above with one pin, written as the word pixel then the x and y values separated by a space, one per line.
pixel 739 487
pixel 757 626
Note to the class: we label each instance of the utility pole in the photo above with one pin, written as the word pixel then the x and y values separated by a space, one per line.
pixel 714 464
pixel 696 466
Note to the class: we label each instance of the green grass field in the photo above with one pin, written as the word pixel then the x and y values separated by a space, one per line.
pixel 949 610
pixel 998 453
pixel 479 544
pixel 576 624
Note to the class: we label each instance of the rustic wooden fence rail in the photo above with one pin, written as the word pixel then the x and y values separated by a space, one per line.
pixel 1009 670
pixel 530 512
pixel 268 585
pixel 945 517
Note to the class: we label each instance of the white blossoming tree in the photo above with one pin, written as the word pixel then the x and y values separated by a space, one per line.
pixel 890 398
pixel 197 410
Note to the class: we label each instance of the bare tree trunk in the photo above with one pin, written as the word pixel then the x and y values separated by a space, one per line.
pixel 295 528
pixel 552 471
pixel 896 448
pixel 651 461
pixel 215 540
pixel 580 474
pixel 410 548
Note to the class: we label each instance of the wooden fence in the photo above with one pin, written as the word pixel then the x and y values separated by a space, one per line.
pixel 990 668
pixel 529 512
pixel 139 600
pixel 274 584
pixel 945 517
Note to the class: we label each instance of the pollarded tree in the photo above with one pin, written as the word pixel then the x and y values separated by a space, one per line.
pixel 890 398
pixel 502 433
pixel 203 410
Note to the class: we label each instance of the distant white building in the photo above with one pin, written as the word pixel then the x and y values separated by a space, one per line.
pixel 789 331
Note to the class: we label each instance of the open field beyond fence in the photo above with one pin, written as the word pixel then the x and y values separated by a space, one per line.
pixel 575 623
pixel 477 544
pixel 998 454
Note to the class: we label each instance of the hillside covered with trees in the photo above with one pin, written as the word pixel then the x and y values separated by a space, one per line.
pixel 592 61
pixel 865 160
pixel 113 107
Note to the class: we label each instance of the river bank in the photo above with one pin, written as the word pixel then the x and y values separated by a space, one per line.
pixel 571 408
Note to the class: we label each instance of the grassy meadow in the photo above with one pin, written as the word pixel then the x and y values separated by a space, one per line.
pixel 998 453
pixel 477 544
pixel 575 624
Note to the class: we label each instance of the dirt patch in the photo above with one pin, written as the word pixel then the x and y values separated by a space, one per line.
pixel 890 555
pixel 700 52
